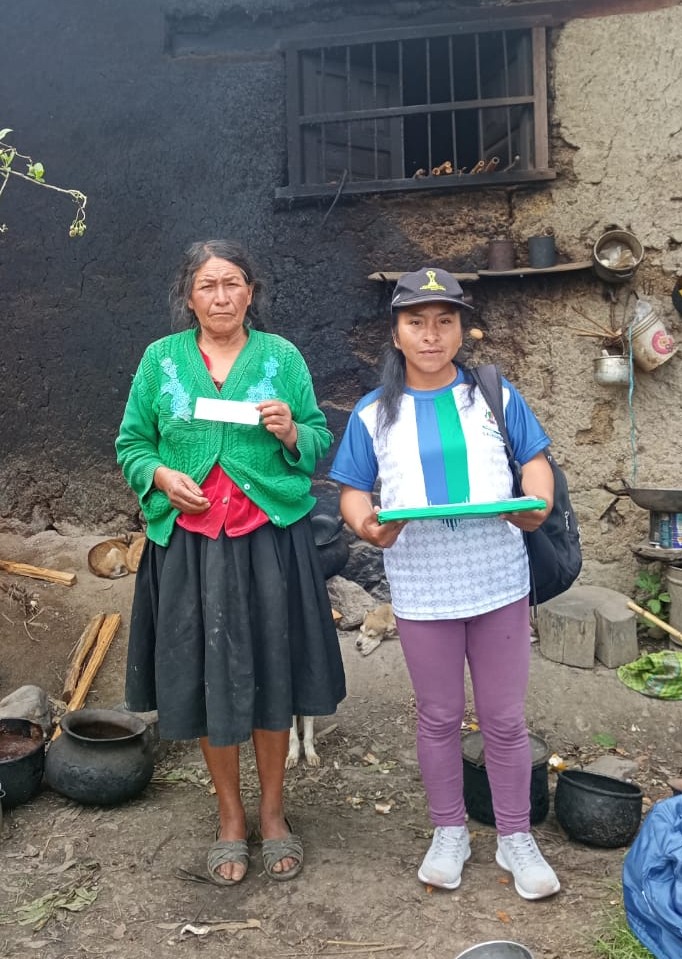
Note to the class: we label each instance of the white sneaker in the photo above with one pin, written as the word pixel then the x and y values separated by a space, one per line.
pixel 533 877
pixel 443 863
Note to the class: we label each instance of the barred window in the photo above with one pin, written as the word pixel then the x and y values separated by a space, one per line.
pixel 414 109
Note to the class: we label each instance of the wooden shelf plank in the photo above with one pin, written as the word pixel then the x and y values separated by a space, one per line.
pixel 389 276
pixel 532 271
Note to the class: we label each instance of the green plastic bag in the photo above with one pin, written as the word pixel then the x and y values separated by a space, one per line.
pixel 657 674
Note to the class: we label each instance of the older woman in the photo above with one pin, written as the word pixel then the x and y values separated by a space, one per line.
pixel 231 630
pixel 459 589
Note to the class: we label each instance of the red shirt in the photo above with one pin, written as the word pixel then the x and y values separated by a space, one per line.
pixel 230 509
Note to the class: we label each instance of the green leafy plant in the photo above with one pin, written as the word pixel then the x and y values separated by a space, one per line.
pixel 651 592
pixel 605 739
pixel 34 172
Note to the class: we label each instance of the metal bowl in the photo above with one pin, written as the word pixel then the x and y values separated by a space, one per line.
pixel 496 949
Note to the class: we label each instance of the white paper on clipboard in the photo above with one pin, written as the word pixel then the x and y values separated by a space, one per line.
pixel 226 411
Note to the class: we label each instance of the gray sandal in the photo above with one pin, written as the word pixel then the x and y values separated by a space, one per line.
pixel 274 850
pixel 223 851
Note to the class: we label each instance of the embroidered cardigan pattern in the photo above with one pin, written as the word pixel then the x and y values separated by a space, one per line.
pixel 158 428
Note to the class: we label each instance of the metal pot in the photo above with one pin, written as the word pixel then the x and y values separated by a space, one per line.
pixel 660 500
pixel 477 796
pixel 612 370
pixel 496 949
pixel 616 256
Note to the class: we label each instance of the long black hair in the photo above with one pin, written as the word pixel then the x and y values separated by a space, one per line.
pixel 194 257
pixel 393 377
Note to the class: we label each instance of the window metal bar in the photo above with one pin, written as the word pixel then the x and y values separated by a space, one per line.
pixel 505 56
pixel 427 54
pixel 540 121
pixel 453 115
pixel 349 135
pixel 401 79
pixel 376 122
pixel 479 114
pixel 412 110
pixel 322 100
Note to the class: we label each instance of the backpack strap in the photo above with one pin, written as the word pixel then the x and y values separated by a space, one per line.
pixel 488 379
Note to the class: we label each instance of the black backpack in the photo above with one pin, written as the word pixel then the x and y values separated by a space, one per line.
pixel 554 554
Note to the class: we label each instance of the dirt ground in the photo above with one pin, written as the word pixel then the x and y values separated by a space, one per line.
pixel 138 866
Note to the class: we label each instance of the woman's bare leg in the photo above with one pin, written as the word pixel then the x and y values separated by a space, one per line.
pixel 271 752
pixel 223 765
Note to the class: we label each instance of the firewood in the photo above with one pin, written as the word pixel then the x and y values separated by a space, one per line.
pixel 38 572
pixel 83 647
pixel 106 634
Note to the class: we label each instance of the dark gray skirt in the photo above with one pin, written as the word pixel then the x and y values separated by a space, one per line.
pixel 233 634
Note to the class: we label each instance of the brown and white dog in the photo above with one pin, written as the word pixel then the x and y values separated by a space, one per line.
pixel 295 744
pixel 378 624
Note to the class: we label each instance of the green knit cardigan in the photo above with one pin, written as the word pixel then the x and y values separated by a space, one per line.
pixel 158 428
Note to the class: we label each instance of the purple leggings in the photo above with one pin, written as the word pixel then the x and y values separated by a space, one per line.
pixel 497 648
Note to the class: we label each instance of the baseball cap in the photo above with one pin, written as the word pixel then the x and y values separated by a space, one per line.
pixel 426 286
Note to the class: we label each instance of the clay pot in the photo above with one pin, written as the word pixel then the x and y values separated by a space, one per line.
pixel 22 760
pixel 102 756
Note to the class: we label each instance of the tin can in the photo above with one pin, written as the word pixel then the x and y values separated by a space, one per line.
pixel 670 531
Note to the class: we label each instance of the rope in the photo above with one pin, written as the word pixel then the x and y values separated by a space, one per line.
pixel 631 390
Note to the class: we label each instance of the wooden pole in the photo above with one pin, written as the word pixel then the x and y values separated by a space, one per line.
pixel 106 634
pixel 655 620
pixel 38 572
pixel 83 647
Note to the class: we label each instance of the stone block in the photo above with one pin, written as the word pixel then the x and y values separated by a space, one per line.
pixel 614 766
pixel 587 622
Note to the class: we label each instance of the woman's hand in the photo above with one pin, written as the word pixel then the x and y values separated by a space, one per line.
pixel 528 521
pixel 359 513
pixel 276 418
pixel 537 480
pixel 184 494
pixel 379 534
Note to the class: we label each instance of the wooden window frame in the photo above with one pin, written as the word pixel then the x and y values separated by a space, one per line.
pixel 294 53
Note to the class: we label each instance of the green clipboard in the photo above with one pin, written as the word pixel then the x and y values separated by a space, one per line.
pixel 519 504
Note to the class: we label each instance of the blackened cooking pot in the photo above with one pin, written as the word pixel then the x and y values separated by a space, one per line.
pixel 477 796
pixel 597 810
pixel 332 548
pixel 103 756
pixel 22 760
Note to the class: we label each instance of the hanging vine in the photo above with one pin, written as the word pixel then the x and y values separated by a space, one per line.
pixel 34 172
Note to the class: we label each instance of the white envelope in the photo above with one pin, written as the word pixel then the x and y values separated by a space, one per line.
pixel 226 411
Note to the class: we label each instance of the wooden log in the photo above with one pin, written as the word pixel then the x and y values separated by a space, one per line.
pixel 106 634
pixel 38 572
pixel 83 647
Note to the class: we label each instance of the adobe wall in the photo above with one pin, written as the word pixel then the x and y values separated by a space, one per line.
pixel 174 148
